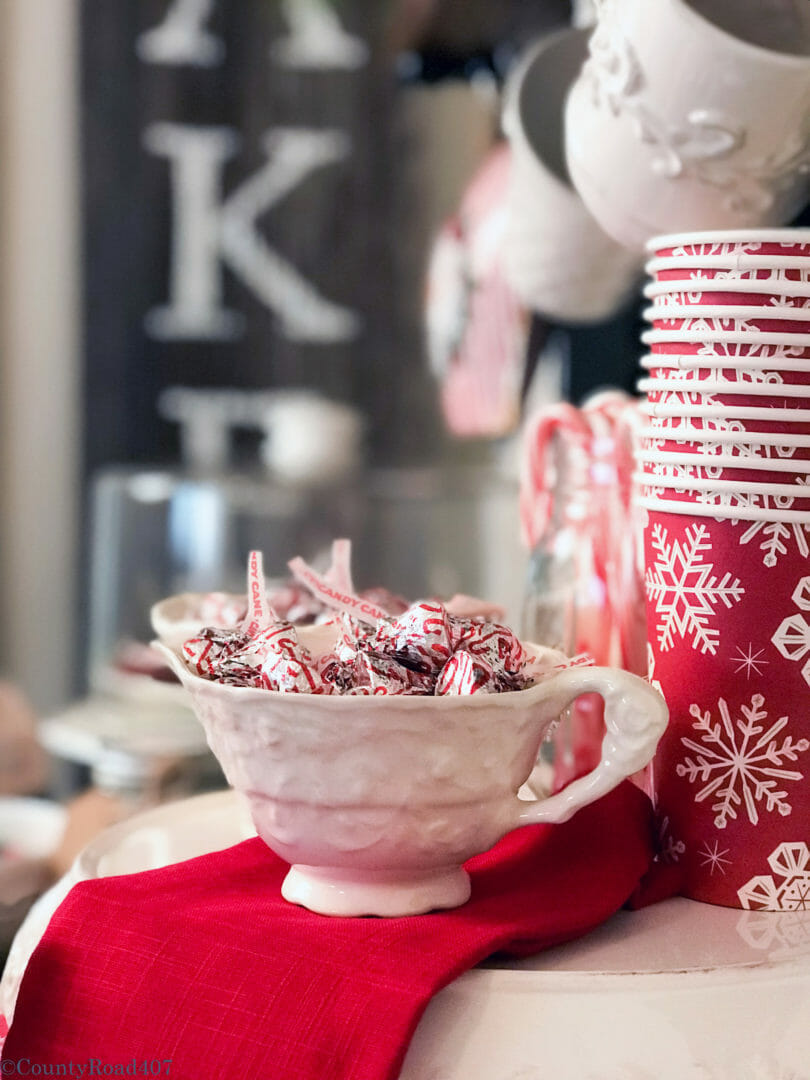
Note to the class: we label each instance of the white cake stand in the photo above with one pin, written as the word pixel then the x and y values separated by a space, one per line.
pixel 678 991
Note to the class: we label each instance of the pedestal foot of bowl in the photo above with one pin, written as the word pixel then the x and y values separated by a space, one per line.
pixel 333 891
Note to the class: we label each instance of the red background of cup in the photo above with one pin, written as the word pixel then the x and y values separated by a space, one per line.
pixel 747 426
pixel 737 375
pixel 671 491
pixel 725 773
pixel 731 374
pixel 755 349
pixel 776 279
pixel 766 326
pixel 690 294
pixel 690 394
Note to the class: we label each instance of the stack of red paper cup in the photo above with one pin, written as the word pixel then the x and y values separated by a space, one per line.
pixel 723 484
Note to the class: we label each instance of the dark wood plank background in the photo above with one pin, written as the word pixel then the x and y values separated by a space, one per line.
pixel 342 227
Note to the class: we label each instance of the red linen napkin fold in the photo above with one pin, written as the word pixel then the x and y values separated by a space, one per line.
pixel 204 965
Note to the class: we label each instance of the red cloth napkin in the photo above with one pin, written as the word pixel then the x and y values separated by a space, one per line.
pixel 203 964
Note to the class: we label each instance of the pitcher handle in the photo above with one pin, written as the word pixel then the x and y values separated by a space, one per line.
pixel 635 718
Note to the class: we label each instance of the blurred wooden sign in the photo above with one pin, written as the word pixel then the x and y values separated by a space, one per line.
pixel 233 205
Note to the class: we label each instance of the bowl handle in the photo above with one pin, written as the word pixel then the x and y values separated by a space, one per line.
pixel 635 718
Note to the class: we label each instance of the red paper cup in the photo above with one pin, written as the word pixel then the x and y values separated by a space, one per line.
pixel 778 242
pixel 701 291
pixel 747 371
pixel 686 397
pixel 746 349
pixel 717 340
pixel 706 439
pixel 746 419
pixel 776 282
pixel 672 467
pixel 766 321
pixel 728 610
pixel 731 266
pixel 725 495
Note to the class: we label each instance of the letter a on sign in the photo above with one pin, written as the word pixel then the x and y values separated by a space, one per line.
pixel 209 231
pixel 182 38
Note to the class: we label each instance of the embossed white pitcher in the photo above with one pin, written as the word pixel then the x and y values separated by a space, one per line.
pixel 377 801
pixel 692 114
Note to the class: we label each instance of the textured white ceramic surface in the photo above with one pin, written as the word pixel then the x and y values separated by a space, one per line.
pixel 678 124
pixel 559 260
pixel 377 801
pixel 678 991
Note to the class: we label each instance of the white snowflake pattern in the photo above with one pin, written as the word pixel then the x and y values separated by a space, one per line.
pixel 739 349
pixel 749 661
pixel 790 301
pixel 791 863
pixel 792 637
pixel 782 936
pixel 741 762
pixel 714 857
pixel 684 589
pixel 777 538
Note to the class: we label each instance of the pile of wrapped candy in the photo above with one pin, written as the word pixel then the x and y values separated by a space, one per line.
pixel 423 650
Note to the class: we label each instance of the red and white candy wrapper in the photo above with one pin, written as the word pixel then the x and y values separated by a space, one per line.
pixel 334 596
pixel 425 650
pixel 260 613
pixel 464 673
pixel 206 653
pixel 495 645
pixel 728 608
pixel 421 633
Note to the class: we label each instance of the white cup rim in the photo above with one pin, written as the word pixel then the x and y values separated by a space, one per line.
pixel 722 512
pixel 731 337
pixel 743 438
pixel 751 487
pixel 726 412
pixel 691 361
pixel 705 387
pixel 729 236
pixel 664 312
pixel 740 261
pixel 740 285
pixel 722 461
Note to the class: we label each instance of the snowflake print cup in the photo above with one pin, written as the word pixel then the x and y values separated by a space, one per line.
pixel 656 139
pixel 729 644
pixel 731 242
